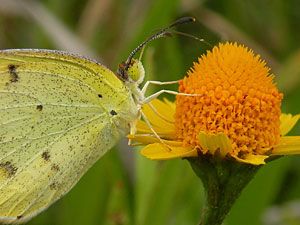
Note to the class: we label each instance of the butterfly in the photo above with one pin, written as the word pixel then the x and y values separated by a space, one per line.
pixel 59 113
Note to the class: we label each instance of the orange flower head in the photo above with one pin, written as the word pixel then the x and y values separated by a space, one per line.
pixel 233 113
pixel 237 97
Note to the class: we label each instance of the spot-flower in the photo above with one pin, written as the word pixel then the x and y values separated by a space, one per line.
pixel 236 115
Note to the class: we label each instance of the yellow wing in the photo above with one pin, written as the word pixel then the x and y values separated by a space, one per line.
pixel 58 114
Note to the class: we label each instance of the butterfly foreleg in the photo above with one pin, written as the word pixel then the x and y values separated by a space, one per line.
pixel 145 87
pixel 155 95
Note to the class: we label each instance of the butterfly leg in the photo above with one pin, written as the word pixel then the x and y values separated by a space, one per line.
pixel 155 95
pixel 144 89
pixel 132 130
pixel 150 126
pixel 152 129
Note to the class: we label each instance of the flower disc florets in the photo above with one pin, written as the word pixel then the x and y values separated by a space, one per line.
pixel 237 97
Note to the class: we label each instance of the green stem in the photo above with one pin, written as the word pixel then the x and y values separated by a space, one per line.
pixel 223 181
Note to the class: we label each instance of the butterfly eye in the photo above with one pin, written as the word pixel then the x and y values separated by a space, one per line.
pixel 122 71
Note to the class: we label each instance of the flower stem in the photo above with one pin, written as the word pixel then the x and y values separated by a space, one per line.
pixel 223 181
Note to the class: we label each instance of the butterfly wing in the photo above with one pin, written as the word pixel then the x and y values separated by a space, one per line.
pixel 58 114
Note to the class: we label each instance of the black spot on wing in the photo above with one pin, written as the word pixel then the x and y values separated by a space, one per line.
pixel 19 217
pixel 55 167
pixel 9 167
pixel 39 107
pixel 113 113
pixel 46 156
pixel 12 69
pixel 54 186
pixel 100 96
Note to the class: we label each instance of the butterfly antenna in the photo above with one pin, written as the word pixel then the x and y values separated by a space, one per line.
pixel 123 67
pixel 190 36
pixel 161 33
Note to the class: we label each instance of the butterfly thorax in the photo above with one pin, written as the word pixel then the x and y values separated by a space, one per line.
pixel 132 73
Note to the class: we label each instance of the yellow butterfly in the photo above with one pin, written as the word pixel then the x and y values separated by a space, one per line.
pixel 59 113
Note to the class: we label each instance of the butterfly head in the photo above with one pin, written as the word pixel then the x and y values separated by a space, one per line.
pixel 132 72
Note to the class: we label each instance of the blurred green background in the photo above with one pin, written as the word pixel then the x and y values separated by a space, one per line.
pixel 122 187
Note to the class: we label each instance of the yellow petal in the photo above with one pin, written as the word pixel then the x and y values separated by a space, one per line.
pixel 214 142
pixel 144 139
pixel 160 115
pixel 160 151
pixel 165 108
pixel 252 159
pixel 172 105
pixel 143 128
pixel 287 122
pixel 289 145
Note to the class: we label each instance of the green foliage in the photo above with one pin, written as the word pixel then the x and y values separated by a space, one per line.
pixel 142 192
